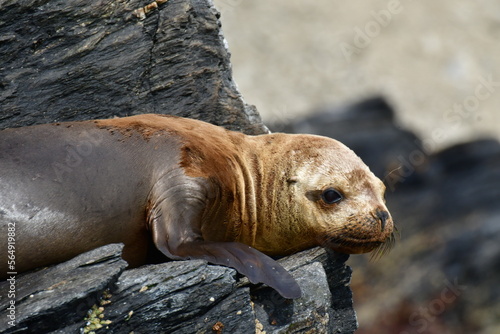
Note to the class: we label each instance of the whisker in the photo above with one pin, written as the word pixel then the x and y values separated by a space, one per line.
pixel 390 172
pixel 386 247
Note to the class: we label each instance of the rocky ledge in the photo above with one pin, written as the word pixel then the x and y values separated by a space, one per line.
pixel 95 292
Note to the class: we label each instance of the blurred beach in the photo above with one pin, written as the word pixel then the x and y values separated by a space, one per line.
pixel 437 63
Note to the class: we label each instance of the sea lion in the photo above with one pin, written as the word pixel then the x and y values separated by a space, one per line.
pixel 193 189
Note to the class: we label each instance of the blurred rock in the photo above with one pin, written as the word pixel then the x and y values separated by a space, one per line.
pixel 468 178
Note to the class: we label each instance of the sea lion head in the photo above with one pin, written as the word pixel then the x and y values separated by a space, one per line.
pixel 336 196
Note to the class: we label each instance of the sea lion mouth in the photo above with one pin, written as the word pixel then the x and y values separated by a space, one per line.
pixel 350 245
pixel 386 246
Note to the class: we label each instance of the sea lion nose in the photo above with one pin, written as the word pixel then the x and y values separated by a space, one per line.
pixel 382 216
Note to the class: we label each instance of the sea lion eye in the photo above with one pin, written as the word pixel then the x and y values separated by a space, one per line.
pixel 331 196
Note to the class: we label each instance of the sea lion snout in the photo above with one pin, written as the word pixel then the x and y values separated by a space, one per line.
pixel 387 235
pixel 383 217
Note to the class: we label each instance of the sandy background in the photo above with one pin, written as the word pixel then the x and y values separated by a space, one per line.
pixel 438 63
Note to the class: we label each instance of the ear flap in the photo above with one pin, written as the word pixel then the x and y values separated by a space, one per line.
pixel 258 267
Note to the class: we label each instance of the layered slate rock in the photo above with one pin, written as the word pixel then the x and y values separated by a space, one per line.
pixel 321 309
pixel 55 297
pixel 182 297
pixel 77 60
pixel 173 296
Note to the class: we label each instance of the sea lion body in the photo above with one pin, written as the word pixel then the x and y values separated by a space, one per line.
pixel 70 188
pixel 193 189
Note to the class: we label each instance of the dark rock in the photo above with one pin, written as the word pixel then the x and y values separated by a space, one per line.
pixel 76 60
pixel 191 297
pixel 168 297
pixel 182 297
pixel 342 307
pixel 323 279
pixel 58 296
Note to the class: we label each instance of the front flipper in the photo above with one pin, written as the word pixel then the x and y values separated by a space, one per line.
pixel 174 218
pixel 258 267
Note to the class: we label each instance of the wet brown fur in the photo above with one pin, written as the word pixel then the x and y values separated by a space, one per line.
pixel 253 177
